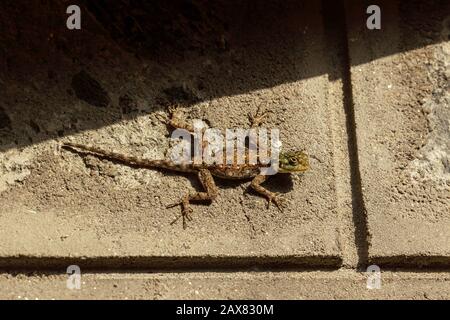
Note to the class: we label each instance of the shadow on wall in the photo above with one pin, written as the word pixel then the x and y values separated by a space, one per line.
pixel 133 58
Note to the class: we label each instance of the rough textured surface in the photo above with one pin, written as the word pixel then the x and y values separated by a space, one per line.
pixel 240 285
pixel 67 205
pixel 402 124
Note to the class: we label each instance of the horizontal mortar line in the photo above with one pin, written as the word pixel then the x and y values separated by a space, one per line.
pixel 304 274
pixel 132 264
pixel 411 262
pixel 171 264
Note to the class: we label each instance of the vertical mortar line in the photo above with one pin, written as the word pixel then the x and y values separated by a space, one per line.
pixel 359 208
pixel 334 15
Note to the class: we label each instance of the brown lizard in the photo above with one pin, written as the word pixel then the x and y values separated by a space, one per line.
pixel 289 162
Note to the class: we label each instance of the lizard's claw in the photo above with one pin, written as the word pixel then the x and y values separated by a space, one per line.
pixel 174 112
pixel 163 118
pixel 172 109
pixel 279 201
pixel 186 212
pixel 258 118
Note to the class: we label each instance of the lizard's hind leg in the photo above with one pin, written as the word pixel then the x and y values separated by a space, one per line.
pixel 207 181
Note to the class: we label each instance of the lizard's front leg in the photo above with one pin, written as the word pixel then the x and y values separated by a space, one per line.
pixel 271 196
pixel 257 119
pixel 207 181
pixel 177 120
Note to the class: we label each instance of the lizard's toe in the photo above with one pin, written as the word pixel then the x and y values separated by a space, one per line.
pixel 163 118
pixel 278 200
pixel 175 111
pixel 256 120
pixel 259 117
pixel 179 203
pixel 186 212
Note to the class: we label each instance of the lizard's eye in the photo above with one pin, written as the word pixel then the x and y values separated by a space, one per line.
pixel 293 161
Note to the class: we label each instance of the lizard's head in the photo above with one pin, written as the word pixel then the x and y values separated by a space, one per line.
pixel 293 161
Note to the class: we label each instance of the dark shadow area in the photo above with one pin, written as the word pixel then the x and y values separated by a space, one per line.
pixel 412 262
pixel 336 26
pixel 280 183
pixel 132 58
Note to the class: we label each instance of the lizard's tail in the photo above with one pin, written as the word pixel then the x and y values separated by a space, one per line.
pixel 125 159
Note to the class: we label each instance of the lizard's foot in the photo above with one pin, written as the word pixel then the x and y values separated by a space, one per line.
pixel 258 118
pixel 176 119
pixel 174 113
pixel 186 211
pixel 162 117
pixel 279 201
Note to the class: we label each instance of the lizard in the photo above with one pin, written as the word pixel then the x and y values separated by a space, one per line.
pixel 290 162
